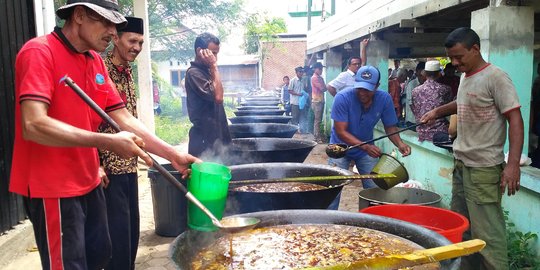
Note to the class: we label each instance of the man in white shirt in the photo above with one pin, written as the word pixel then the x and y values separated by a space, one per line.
pixel 346 78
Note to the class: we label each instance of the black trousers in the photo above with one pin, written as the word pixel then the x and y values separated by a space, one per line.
pixel 71 233
pixel 122 196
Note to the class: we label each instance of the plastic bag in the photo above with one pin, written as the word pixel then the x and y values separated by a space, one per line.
pixel 303 100
pixel 411 184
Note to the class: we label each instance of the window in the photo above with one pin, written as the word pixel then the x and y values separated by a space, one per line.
pixel 177 76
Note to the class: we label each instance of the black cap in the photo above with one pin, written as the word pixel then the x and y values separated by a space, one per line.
pixel 299 69
pixel 134 25
pixel 317 65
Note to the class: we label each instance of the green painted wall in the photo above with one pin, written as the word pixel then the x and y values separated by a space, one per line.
pixel 519 66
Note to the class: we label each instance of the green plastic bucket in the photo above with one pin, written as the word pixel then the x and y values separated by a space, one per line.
pixel 209 182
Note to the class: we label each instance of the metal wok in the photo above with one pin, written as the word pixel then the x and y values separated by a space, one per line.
pixel 258 112
pixel 243 108
pixel 262 130
pixel 260 103
pixel 262 99
pixel 188 244
pixel 259 150
pixel 279 119
pixel 245 202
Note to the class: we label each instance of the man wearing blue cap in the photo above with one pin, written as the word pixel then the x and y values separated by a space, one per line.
pixel 356 111
pixel 120 182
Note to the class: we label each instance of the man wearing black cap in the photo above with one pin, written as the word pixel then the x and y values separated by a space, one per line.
pixel 120 182
pixel 55 159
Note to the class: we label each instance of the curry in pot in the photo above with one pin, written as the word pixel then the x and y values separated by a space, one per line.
pixel 300 246
pixel 279 187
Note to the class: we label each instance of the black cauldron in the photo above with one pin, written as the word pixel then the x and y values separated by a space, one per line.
pixel 258 112
pixel 260 150
pixel 262 99
pixel 243 108
pixel 262 130
pixel 245 202
pixel 260 103
pixel 188 244
pixel 279 119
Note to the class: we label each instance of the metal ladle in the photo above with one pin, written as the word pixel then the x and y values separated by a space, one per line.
pixel 339 150
pixel 231 224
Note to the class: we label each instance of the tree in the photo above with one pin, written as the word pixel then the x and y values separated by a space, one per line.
pixel 257 30
pixel 175 23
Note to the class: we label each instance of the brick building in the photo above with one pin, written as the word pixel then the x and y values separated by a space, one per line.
pixel 280 57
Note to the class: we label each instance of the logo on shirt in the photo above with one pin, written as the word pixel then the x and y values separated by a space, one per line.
pixel 100 79
pixel 366 75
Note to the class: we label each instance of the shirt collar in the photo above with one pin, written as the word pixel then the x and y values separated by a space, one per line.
pixel 120 68
pixel 58 34
pixel 350 72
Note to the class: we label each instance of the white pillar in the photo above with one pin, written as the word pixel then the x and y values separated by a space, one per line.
pixel 44 16
pixel 145 103
pixel 333 61
pixel 377 54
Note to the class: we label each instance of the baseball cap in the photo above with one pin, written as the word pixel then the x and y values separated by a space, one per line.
pixel 299 69
pixel 433 65
pixel 367 78
pixel 108 9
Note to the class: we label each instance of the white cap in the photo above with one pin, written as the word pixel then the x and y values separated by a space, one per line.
pixel 433 65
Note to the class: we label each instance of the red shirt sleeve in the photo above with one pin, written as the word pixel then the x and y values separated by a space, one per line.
pixel 35 80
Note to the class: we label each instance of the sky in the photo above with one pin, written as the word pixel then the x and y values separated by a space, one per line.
pixel 279 8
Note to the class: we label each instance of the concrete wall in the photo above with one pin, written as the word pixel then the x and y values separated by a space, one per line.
pixel 280 59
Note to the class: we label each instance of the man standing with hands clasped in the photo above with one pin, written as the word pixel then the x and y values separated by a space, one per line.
pixel 486 102
pixel 120 183
pixel 55 158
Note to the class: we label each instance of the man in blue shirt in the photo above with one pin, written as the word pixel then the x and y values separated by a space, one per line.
pixel 356 111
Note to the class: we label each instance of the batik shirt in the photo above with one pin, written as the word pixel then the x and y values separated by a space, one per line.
pixel 122 78
pixel 425 98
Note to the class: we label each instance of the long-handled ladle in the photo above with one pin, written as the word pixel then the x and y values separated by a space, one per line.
pixel 232 224
pixel 338 150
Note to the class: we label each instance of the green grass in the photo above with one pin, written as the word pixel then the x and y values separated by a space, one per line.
pixel 172 127
pixel 172 130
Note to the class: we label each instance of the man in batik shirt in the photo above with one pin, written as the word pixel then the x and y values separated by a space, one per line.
pixel 121 189
pixel 427 97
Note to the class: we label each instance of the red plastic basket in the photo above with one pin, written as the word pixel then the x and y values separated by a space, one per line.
pixel 448 223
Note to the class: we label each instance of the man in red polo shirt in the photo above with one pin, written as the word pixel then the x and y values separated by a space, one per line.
pixel 55 160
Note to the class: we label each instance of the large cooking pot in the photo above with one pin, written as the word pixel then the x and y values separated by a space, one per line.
pixel 280 119
pixel 397 195
pixel 245 202
pixel 243 108
pixel 259 150
pixel 258 112
pixel 262 99
pixel 262 130
pixel 189 243
pixel 260 103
